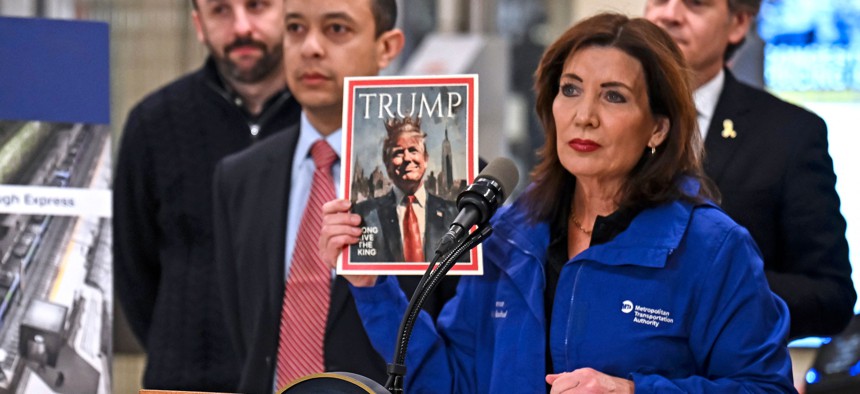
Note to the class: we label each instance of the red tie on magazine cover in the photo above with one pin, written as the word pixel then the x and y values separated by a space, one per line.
pixel 412 249
pixel 306 297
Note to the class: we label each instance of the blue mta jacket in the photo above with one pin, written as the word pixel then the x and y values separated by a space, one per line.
pixel 678 303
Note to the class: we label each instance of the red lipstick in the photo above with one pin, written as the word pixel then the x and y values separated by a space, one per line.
pixel 583 145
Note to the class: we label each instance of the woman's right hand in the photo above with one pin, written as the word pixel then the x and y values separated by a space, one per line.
pixel 340 228
pixel 589 381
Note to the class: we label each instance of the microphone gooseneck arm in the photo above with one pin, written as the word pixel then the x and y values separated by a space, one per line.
pixel 428 283
pixel 476 203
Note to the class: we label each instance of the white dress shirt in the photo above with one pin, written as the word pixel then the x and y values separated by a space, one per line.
pixel 301 178
pixel 706 97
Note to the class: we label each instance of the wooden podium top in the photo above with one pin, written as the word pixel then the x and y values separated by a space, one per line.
pixel 142 391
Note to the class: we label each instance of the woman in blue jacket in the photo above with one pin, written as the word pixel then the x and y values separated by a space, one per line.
pixel 615 271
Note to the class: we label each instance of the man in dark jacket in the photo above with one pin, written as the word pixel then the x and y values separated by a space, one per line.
pixel 163 243
pixel 263 194
pixel 770 162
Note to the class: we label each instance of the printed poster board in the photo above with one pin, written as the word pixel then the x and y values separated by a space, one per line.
pixel 55 232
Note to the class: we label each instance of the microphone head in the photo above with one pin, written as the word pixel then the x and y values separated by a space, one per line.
pixel 504 172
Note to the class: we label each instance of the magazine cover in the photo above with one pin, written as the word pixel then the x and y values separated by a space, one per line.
pixel 410 146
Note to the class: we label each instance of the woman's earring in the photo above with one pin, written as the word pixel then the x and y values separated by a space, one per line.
pixel 653 150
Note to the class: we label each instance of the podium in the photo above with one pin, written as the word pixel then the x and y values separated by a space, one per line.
pixel 320 383
pixel 144 391
pixel 334 383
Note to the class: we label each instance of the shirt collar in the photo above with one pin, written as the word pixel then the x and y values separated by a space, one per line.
pixel 216 82
pixel 605 227
pixel 706 97
pixel 420 195
pixel 308 134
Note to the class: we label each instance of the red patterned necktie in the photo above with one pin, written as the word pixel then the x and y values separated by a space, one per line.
pixel 308 287
pixel 413 251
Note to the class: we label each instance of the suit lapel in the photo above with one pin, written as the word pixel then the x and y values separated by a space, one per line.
pixel 434 223
pixel 272 201
pixel 731 112
pixel 388 218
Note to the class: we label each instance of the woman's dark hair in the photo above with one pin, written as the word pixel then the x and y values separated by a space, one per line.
pixel 656 178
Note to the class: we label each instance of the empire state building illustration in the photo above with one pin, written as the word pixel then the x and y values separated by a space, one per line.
pixel 446 176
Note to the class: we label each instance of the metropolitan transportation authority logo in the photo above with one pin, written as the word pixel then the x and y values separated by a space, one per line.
pixel 627 306
pixel 647 316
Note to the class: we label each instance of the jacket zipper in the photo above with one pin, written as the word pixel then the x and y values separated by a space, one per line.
pixel 570 317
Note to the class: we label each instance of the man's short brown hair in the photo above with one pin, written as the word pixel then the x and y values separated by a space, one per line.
pixel 750 7
pixel 384 15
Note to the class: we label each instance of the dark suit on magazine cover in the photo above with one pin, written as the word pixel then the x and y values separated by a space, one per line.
pixel 381 213
pixel 771 164
pixel 251 199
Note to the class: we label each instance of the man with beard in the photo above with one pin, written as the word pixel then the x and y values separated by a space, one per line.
pixel 163 243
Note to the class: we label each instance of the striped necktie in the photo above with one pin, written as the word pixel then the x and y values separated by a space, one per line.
pixel 308 287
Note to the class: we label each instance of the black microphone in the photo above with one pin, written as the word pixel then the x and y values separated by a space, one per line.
pixel 479 201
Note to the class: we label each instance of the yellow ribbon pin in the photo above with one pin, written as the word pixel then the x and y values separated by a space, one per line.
pixel 729 129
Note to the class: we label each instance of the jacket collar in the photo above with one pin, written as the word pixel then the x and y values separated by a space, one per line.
pixel 652 236
pixel 513 224
pixel 649 240
pixel 213 79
